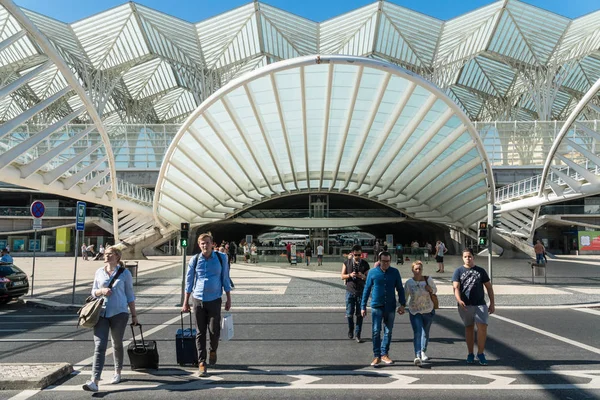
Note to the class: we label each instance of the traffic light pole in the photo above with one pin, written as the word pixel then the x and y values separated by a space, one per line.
pixel 490 232
pixel 490 228
pixel 183 251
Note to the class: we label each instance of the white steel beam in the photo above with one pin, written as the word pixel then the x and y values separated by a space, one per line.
pixel 23 79
pixel 72 180
pixel 57 172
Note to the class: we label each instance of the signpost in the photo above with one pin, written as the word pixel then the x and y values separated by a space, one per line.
pixel 80 226
pixel 37 211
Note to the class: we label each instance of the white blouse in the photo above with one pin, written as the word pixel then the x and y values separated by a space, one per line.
pixel 418 299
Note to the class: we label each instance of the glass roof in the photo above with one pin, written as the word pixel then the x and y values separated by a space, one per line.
pixel 149 67
pixel 326 124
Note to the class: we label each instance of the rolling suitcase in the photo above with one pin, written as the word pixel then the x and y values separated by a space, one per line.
pixel 185 344
pixel 144 354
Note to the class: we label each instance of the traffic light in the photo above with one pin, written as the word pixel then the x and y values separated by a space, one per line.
pixel 185 228
pixel 482 233
pixel 496 217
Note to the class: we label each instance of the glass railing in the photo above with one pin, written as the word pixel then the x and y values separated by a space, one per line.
pixel 66 212
pixel 143 146
pixel 531 186
pixel 557 209
pixel 331 213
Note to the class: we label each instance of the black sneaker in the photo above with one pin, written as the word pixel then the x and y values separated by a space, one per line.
pixel 350 335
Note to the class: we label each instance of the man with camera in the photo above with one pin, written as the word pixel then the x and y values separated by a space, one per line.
pixel 354 272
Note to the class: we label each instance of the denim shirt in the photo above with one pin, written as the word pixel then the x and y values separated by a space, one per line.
pixel 206 279
pixel 122 292
pixel 383 284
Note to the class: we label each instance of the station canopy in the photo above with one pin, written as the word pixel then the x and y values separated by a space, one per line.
pixel 326 124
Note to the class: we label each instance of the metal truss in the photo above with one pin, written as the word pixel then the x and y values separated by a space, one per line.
pixel 326 124
pixel 43 144
pixel 571 170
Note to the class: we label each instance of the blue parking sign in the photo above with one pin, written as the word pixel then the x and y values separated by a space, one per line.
pixel 80 216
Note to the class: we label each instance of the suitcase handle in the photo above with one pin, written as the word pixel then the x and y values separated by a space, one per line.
pixel 190 313
pixel 141 336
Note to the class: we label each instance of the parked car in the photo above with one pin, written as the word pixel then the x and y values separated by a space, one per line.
pixel 13 282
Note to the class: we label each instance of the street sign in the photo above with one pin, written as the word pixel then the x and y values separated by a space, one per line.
pixel 37 209
pixel 37 223
pixel 80 216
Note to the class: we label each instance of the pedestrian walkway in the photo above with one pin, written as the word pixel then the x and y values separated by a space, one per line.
pixel 569 282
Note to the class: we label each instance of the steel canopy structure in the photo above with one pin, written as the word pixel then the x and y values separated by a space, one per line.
pixel 326 124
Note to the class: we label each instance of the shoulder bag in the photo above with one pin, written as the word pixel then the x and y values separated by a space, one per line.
pixel 434 298
pixel 89 314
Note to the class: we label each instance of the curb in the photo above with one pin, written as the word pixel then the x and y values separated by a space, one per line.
pixel 59 371
pixel 52 305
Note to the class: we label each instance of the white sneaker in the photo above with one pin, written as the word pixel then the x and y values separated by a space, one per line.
pixel 90 386
pixel 424 356
pixel 418 362
pixel 116 379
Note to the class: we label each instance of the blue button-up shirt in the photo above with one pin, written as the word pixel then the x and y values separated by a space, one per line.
pixel 383 284
pixel 208 277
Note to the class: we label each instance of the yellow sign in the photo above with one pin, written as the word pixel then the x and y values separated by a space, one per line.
pixel 63 240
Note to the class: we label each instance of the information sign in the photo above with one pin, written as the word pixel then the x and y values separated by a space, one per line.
pixel 80 215
pixel 37 223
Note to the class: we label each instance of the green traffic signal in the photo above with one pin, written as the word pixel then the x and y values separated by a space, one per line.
pixel 483 241
pixel 184 242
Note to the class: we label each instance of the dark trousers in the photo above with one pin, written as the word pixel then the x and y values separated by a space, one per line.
pixel 208 315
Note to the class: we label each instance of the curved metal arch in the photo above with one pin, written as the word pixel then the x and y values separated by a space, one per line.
pixel 283 186
pixel 60 63
pixel 593 91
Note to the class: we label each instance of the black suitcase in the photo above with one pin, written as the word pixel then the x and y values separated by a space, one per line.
pixel 185 344
pixel 144 354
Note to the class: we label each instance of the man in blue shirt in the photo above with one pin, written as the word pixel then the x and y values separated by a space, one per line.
pixel 382 281
pixel 6 258
pixel 207 277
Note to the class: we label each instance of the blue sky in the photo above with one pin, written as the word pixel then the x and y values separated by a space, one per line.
pixel 316 10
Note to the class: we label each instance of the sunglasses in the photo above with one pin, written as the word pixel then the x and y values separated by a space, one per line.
pixel 357 255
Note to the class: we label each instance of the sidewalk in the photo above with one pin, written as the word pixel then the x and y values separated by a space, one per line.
pixel 573 281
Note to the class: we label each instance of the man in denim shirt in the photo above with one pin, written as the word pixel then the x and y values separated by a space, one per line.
pixel 207 277
pixel 382 281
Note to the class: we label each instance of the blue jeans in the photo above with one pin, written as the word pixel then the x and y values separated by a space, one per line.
pixel 539 258
pixel 421 323
pixel 379 316
pixel 353 308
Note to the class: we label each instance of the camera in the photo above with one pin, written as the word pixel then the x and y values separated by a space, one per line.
pixel 355 270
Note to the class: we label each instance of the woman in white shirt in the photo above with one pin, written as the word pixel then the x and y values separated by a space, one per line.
pixel 114 315
pixel 418 291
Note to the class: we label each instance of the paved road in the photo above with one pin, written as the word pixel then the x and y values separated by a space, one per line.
pixel 291 353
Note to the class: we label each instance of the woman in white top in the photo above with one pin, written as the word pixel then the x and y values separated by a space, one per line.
pixel 418 300
pixel 119 300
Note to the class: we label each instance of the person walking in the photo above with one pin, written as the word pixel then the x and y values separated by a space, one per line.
pixel 468 282
pixel 308 253
pixel 206 279
pixel 114 315
pixel 84 253
pixel 418 291
pixel 320 250
pixel 440 250
pixel 354 273
pixel 232 252
pixel 539 252
pixel 382 281
pixel 376 250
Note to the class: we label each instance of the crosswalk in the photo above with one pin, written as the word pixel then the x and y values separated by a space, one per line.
pixel 368 379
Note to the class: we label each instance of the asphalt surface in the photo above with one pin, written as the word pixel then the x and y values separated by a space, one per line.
pixel 290 340
pixel 305 354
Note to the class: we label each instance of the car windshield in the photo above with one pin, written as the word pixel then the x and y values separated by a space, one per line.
pixel 9 270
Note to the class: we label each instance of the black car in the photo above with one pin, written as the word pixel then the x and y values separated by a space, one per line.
pixel 13 282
